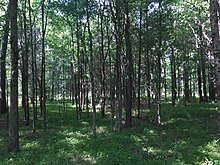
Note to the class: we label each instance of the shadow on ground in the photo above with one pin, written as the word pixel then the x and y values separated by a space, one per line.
pixel 187 136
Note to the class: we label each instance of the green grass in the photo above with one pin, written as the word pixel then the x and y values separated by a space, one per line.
pixel 188 135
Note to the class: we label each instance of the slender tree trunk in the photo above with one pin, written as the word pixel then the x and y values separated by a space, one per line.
pixel 25 98
pixel 173 77
pixel 139 63
pixel 186 76
pixel 215 49
pixel 3 105
pixel 199 81
pixel 129 70
pixel 13 113
pixel 211 83
pixel 118 40
pixel 43 85
pixel 165 80
pixel 158 94
pixel 102 64
pixel 78 82
pixel 202 64
pixel 32 69
pixel 91 73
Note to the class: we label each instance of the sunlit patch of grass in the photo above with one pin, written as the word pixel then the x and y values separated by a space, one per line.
pixel 188 136
pixel 211 152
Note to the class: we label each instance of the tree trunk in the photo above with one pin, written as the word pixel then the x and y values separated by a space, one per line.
pixel 173 76
pixel 139 63
pixel 25 102
pixel 158 93
pixel 129 69
pixel 211 83
pixel 13 113
pixel 199 81
pixel 78 82
pixel 118 41
pixel 3 107
pixel 202 64
pixel 102 64
pixel 215 49
pixel 43 85
pixel 32 70
pixel 91 73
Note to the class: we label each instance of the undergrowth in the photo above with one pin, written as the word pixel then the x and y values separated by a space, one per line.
pixel 188 135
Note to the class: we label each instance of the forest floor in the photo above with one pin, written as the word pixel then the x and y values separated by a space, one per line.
pixel 188 135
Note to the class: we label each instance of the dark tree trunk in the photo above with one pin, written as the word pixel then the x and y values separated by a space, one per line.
pixel 32 70
pixel 202 64
pixel 173 76
pixel 91 73
pixel 3 107
pixel 13 113
pixel 118 39
pixel 25 99
pixel 139 63
pixel 186 76
pixel 215 49
pixel 43 85
pixel 103 77
pixel 78 82
pixel 212 91
pixel 129 69
pixel 165 80
pixel 199 81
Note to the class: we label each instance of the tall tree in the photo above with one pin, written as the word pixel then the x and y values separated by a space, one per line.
pixel 32 69
pixel 129 67
pixel 91 70
pixel 102 59
pixel 43 71
pixel 13 113
pixel 139 62
pixel 3 107
pixel 158 94
pixel 118 38
pixel 215 48
pixel 25 97
pixel 173 75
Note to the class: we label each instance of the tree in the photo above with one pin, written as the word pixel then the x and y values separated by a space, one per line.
pixel 43 71
pixel 32 69
pixel 129 66
pixel 25 96
pixel 91 71
pixel 3 107
pixel 118 42
pixel 215 48
pixel 139 61
pixel 13 113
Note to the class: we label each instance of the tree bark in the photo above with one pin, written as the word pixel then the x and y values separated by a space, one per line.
pixel 43 65
pixel 215 50
pixel 25 99
pixel 118 39
pixel 13 113
pixel 173 76
pixel 103 77
pixel 3 107
pixel 129 70
pixel 91 73
pixel 158 94
pixel 139 63
pixel 32 70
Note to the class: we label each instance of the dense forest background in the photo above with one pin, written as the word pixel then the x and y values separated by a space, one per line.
pixel 123 61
